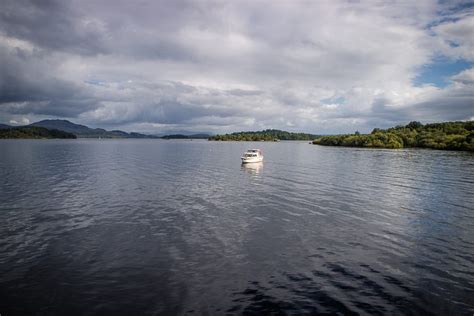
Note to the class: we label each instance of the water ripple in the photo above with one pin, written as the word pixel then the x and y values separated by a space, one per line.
pixel 180 227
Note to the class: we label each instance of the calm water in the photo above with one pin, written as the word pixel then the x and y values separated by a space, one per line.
pixel 180 227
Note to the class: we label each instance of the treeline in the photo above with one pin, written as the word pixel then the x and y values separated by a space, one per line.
pixel 448 135
pixel 265 135
pixel 34 132
pixel 181 136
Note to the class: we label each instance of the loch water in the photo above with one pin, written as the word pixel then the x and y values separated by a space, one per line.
pixel 179 227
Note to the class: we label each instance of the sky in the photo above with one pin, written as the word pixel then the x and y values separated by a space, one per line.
pixel 322 67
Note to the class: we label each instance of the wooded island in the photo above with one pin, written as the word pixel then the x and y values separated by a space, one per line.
pixel 265 135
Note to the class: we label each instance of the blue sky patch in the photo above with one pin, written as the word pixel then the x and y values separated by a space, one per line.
pixel 439 72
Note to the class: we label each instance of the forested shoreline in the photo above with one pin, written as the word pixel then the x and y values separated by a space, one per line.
pixel 447 135
pixel 265 135
pixel 33 132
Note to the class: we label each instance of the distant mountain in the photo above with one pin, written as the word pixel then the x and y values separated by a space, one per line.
pixel 63 125
pixel 33 132
pixel 83 131
pixel 4 126
pixel 181 136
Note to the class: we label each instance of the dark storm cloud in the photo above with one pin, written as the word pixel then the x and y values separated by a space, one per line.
pixel 56 108
pixel 22 80
pixel 172 112
pixel 52 25
pixel 453 105
pixel 28 85
pixel 98 28
pixel 381 109
pixel 449 107
pixel 165 103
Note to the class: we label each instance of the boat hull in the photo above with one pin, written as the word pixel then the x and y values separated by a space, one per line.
pixel 251 159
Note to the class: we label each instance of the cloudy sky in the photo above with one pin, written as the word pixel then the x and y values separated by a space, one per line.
pixel 222 66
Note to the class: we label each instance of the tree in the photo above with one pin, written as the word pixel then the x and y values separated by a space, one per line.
pixel 414 125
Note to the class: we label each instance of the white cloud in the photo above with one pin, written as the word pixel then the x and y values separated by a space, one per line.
pixel 229 66
pixel 21 121
pixel 457 37
pixel 464 77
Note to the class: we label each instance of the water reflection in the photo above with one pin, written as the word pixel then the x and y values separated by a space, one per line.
pixel 253 168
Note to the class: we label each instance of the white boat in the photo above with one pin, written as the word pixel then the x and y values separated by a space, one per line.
pixel 252 155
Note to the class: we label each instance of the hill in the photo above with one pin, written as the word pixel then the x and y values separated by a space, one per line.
pixel 265 135
pixel 83 131
pixel 447 135
pixel 34 132
pixel 63 125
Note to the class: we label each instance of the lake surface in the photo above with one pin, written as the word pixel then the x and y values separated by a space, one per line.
pixel 181 227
